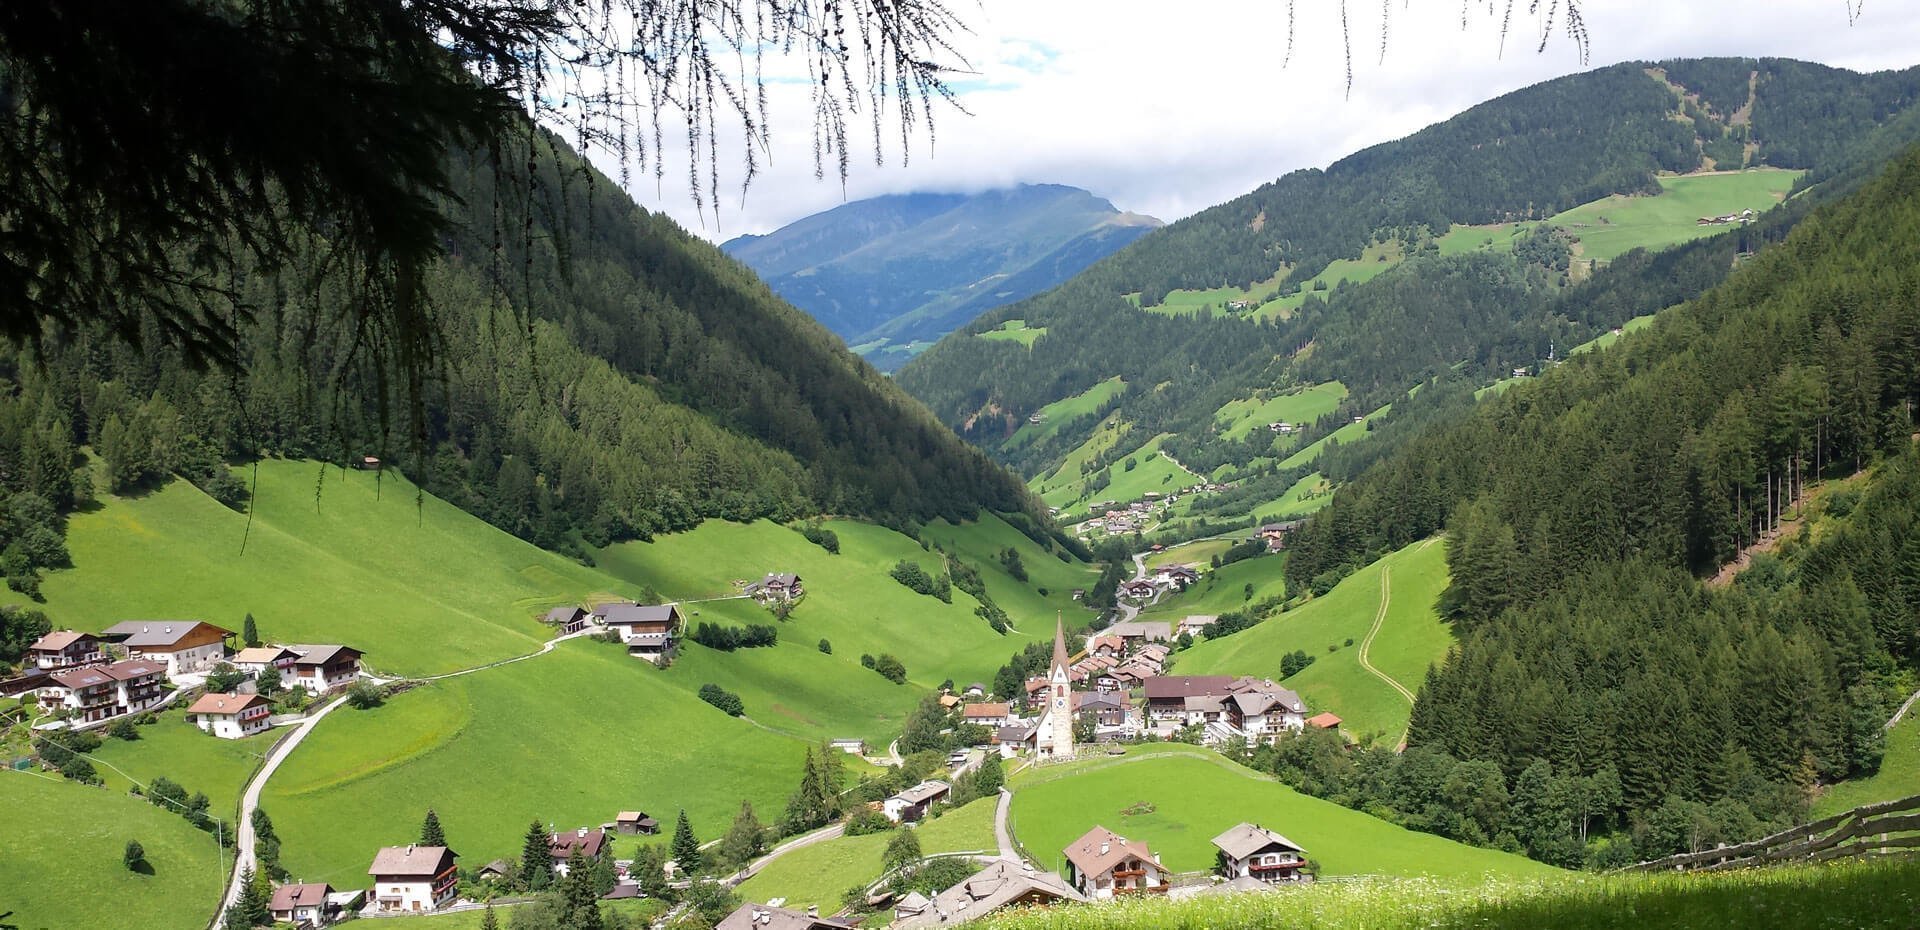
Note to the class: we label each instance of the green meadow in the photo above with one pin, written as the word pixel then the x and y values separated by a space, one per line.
pixel 330 556
pixel 980 543
pixel 1198 552
pixel 1151 472
pixel 1856 895
pixel 1373 260
pixel 569 739
pixel 1068 475
pixel 820 874
pixel 1182 302
pixel 1221 590
pixel 1240 417
pixel 1178 799
pixel 63 859
pixel 1053 415
pixel 1899 775
pixel 1609 338
pixel 1614 225
pixel 1411 637
pixel 1350 433
pixel 178 750
pixel 631 908
pixel 1015 331
pixel 1496 237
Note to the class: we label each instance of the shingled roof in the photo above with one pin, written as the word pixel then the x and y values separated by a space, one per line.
pixel 1246 839
pixel 1097 852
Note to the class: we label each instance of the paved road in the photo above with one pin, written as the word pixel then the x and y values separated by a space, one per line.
pixel 250 800
pixel 832 831
pixel 1002 830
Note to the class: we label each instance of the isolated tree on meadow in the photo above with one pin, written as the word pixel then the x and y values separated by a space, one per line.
pixel 902 851
pixel 135 856
pixel 745 840
pixel 430 832
pixel 249 632
pixel 488 920
pixel 536 871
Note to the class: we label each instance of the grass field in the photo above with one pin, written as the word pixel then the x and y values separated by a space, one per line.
pixel 1198 552
pixel 1108 434
pixel 1852 895
pixel 419 585
pixel 1410 638
pixel 821 873
pixel 178 750
pixel 1611 226
pixel 1015 331
pixel 1606 339
pixel 487 753
pixel 1240 417
pixel 1151 472
pixel 1899 775
pixel 62 860
pixel 1053 415
pixel 1350 433
pixel 979 544
pixel 1462 239
pixel 632 908
pixel 1180 302
pixel 1223 590
pixel 1373 260
pixel 851 600
pixel 1194 794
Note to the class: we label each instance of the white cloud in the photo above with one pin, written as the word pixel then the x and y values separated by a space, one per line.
pixel 1170 108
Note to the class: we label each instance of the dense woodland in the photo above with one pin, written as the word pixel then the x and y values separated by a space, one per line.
pixel 1529 154
pixel 605 376
pixel 1580 508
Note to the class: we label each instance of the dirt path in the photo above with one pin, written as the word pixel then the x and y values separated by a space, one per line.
pixel 1386 599
pixel 1770 540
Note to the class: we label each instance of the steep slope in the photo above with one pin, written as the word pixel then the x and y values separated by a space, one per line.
pixel 1442 256
pixel 894 272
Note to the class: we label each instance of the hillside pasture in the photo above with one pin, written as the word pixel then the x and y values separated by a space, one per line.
pixel 1611 226
pixel 331 555
pixel 1224 589
pixel 1068 474
pixel 178 750
pixel 1015 331
pixel 1899 775
pixel 1347 434
pixel 1178 799
pixel 1182 302
pixel 1497 237
pixel 1066 410
pixel 1411 636
pixel 1373 260
pixel 979 544
pixel 1239 417
pixel 1152 471
pixel 63 867
pixel 821 873
pixel 569 738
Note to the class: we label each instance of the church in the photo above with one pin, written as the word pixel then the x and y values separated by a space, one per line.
pixel 1054 739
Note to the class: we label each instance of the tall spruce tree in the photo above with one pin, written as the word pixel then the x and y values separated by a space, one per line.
pixel 249 633
pixel 686 847
pixel 536 866
pixel 430 832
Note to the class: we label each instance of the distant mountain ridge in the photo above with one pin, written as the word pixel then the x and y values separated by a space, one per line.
pixel 892 274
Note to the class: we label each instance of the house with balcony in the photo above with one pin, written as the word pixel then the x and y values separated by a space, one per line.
pixel 100 692
pixel 230 716
pixel 323 668
pixel 65 649
pixel 186 647
pixel 413 879
pixel 911 805
pixel 1252 851
pixel 256 659
pixel 650 632
pixel 1103 864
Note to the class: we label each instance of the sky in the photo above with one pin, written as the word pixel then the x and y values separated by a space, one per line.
pixel 1168 108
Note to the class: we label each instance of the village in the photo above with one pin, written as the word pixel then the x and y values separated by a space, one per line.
pixel 1101 690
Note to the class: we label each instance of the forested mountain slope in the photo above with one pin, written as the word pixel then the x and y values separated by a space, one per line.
pixel 602 376
pixel 1580 507
pixel 1363 273
pixel 892 273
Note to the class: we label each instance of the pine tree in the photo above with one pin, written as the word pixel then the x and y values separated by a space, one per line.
pixel 579 903
pixel 266 843
pixel 745 840
pixel 249 633
pixel 807 806
pixel 488 920
pixel 686 848
pixel 536 867
pixel 830 773
pixel 430 832
pixel 990 776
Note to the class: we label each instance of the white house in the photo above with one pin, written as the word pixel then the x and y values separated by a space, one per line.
pixel 98 692
pixel 413 879
pixel 1252 851
pixel 65 649
pixel 186 646
pixel 230 716
pixel 321 669
pixel 256 659
pixel 912 804
pixel 990 715
pixel 303 905
pixel 1102 864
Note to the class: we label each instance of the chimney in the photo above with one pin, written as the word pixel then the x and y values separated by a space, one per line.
pixel 1104 846
pixel 409 849
pixel 813 910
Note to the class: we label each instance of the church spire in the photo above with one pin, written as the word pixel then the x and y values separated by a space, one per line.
pixel 1059 641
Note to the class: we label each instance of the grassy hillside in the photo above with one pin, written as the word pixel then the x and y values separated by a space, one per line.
pixel 1240 417
pixel 1612 225
pixel 1225 589
pixel 330 556
pixel 1058 413
pixel 980 543
pixel 178 750
pixel 851 600
pixel 1899 775
pixel 1184 796
pixel 821 873
pixel 1152 471
pixel 1015 331
pixel 569 738
pixel 1410 637
pixel 1856 895
pixel 63 866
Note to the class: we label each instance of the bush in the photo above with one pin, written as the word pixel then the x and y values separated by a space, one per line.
pixel 1294 662
pixel 824 538
pixel 865 820
pixel 890 668
pixel 729 638
pixel 723 699
pixel 916 579
pixel 123 729
pixel 826 647
pixel 135 856
pixel 365 695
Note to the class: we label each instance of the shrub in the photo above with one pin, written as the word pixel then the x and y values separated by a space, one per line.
pixel 365 695
pixel 135 856
pixel 890 668
pixel 723 699
pixel 729 638
pixel 826 647
pixel 123 729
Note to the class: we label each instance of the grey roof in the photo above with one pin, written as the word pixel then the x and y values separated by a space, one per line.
pixel 156 633
pixel 913 903
pixel 924 791
pixel 623 614
pixel 566 614
pixel 322 654
pixel 995 886
pixel 410 861
pixel 1246 839
pixel 1147 628
pixel 766 917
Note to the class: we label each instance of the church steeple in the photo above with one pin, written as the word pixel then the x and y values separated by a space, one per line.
pixel 1059 642
pixel 1056 720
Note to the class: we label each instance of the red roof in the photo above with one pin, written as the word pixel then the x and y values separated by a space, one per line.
pixel 214 702
pixel 1323 720
pixel 984 711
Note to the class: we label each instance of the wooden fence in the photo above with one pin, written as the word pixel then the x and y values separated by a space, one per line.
pixel 1886 827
